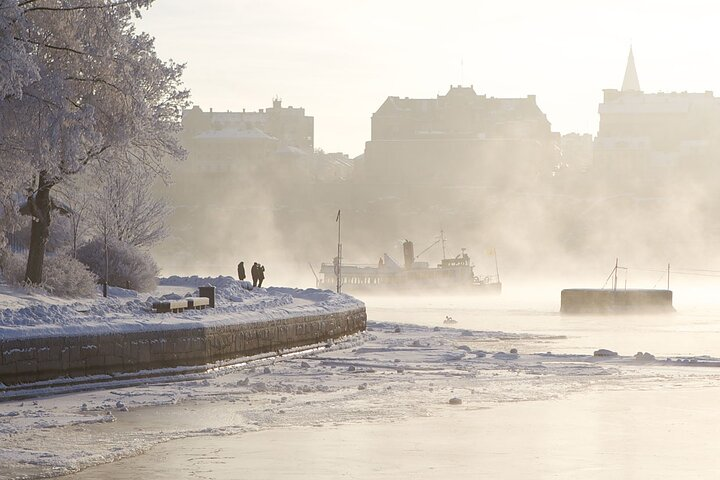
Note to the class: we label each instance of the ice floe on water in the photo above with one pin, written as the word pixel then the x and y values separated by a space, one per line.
pixel 389 373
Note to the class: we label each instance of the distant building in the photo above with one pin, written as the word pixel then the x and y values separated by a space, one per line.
pixel 225 142
pixel 459 138
pixel 288 125
pixel 577 150
pixel 332 167
pixel 646 137
pixel 243 171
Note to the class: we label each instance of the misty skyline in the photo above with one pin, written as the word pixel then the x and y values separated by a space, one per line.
pixel 243 54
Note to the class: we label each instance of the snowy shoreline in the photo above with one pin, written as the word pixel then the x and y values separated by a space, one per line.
pixel 236 303
pixel 119 335
pixel 390 372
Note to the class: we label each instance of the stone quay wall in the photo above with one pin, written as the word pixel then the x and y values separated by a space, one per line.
pixel 33 359
pixel 592 301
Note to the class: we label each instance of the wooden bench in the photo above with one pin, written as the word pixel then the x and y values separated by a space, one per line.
pixel 174 306
pixel 198 303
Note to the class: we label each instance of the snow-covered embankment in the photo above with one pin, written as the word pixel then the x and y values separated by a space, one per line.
pixel 122 334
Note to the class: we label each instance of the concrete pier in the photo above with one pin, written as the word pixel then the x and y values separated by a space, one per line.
pixel 608 302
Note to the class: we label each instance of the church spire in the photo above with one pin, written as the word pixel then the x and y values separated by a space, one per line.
pixel 631 82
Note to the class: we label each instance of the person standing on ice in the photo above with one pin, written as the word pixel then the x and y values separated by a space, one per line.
pixel 241 271
pixel 261 274
pixel 254 273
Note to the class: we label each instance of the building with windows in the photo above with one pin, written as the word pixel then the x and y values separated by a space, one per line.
pixel 647 138
pixel 460 138
pixel 238 173
pixel 288 125
pixel 237 141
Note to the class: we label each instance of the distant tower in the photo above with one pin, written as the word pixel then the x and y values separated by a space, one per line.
pixel 631 82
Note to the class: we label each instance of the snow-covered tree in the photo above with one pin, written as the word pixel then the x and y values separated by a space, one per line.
pixel 17 67
pixel 82 86
pixel 114 201
pixel 124 207
pixel 77 198
pixel 12 181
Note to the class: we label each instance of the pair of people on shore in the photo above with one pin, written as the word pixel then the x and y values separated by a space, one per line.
pixel 257 272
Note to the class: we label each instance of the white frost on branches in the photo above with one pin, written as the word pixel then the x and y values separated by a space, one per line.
pixel 123 206
pixel 17 68
pixel 80 86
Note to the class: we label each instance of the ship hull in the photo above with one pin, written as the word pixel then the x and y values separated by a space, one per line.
pixel 387 277
pixel 429 288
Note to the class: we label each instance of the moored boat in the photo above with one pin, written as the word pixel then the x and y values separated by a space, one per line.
pixel 451 275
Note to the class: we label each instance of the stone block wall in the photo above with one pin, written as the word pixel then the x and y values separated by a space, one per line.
pixel 590 301
pixel 34 359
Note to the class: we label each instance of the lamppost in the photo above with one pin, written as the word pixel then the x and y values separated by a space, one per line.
pixel 338 266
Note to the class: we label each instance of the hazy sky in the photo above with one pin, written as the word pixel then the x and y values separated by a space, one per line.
pixel 340 59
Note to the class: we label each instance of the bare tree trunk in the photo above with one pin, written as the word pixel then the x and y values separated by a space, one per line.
pixel 40 232
pixel 75 228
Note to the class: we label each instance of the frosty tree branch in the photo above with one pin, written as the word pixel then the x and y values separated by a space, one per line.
pixel 79 86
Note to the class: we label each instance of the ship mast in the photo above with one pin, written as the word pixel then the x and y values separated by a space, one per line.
pixel 442 240
pixel 338 267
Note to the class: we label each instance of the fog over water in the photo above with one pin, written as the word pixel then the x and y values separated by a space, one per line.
pixel 440 130
pixel 551 139
pixel 692 330
pixel 457 165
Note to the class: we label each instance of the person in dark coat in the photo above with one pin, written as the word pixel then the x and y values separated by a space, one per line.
pixel 241 271
pixel 261 274
pixel 254 273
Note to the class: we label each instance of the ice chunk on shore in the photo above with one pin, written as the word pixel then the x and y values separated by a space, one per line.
pixel 644 357
pixel 603 352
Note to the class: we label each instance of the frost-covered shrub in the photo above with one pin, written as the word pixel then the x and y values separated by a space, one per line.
pixel 128 266
pixel 4 253
pixel 12 265
pixel 60 234
pixel 66 277
pixel 62 275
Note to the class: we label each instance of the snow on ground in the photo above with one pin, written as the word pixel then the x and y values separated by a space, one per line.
pixel 12 297
pixel 34 314
pixel 389 373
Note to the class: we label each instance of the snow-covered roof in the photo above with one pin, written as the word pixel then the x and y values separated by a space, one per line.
pixel 290 150
pixel 235 134
pixel 436 116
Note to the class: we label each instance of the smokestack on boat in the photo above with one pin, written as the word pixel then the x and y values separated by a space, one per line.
pixel 409 252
